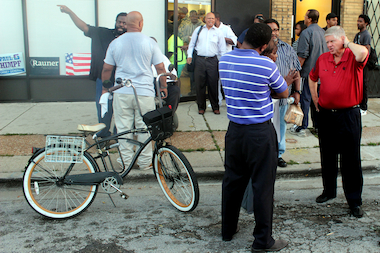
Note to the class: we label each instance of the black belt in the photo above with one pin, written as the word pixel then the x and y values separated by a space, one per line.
pixel 339 110
pixel 206 57
pixel 265 122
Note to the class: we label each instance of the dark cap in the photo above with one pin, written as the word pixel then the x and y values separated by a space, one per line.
pixel 331 15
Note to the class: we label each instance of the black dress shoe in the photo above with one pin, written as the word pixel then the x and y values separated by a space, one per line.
pixel 357 211
pixel 281 162
pixel 277 246
pixel 323 198
pixel 227 238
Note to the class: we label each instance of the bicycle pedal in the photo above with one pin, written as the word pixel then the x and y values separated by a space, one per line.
pixel 124 196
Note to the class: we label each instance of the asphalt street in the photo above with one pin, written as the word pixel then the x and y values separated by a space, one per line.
pixel 146 222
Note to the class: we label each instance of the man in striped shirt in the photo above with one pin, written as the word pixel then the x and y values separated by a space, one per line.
pixel 251 143
pixel 287 63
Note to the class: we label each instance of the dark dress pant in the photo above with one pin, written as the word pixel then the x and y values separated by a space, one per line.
pixel 363 104
pixel 251 152
pixel 206 75
pixel 340 134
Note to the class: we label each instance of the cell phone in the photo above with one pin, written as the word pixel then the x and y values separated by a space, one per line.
pixel 162 94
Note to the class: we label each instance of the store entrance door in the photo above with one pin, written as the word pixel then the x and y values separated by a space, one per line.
pixel 324 7
pixel 183 19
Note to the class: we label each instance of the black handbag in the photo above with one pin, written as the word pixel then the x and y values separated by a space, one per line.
pixel 191 66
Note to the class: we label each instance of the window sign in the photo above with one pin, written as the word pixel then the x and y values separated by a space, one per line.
pixel 44 66
pixel 11 64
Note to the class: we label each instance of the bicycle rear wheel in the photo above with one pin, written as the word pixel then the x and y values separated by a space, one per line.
pixel 49 196
pixel 176 178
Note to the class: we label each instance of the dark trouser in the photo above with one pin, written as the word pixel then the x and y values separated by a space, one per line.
pixel 306 104
pixel 340 133
pixel 363 104
pixel 206 75
pixel 108 116
pixel 192 83
pixel 251 152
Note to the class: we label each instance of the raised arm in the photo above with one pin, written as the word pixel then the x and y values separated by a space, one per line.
pixel 359 51
pixel 160 68
pixel 77 21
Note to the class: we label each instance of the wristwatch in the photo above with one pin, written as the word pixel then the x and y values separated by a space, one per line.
pixel 298 91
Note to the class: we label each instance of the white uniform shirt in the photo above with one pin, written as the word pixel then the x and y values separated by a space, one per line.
pixel 210 42
pixel 228 33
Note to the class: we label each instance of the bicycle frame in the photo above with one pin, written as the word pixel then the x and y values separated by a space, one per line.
pixel 101 155
pixel 96 178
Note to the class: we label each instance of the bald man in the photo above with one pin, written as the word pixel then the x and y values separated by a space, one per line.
pixel 209 46
pixel 133 53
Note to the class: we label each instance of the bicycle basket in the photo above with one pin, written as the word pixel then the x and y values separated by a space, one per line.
pixel 64 149
pixel 160 123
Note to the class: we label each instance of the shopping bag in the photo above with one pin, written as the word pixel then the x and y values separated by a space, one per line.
pixel 294 115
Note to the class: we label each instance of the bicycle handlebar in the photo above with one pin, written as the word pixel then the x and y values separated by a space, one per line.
pixel 121 83
pixel 128 83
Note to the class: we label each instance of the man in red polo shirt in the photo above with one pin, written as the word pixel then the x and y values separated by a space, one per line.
pixel 341 91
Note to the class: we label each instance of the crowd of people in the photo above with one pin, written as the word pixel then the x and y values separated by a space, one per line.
pixel 322 71
pixel 325 71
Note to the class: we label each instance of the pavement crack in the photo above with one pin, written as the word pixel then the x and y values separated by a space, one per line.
pixel 192 118
pixel 18 117
pixel 213 138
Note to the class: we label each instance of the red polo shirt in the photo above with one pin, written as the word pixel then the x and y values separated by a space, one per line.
pixel 342 83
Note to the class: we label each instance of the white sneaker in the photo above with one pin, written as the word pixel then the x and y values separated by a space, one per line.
pixel 209 106
pixel 302 133
pixel 293 130
pixel 363 112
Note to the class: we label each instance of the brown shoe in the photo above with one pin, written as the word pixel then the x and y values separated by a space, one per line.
pixel 216 112
pixel 277 246
pixel 201 112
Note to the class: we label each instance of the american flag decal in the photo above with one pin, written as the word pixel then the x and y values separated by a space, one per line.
pixel 78 64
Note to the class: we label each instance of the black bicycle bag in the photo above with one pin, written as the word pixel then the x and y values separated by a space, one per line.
pixel 160 123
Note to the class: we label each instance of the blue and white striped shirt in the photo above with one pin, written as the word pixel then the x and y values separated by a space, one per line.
pixel 247 80
pixel 287 59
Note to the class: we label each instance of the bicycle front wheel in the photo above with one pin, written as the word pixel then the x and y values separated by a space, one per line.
pixel 49 196
pixel 176 178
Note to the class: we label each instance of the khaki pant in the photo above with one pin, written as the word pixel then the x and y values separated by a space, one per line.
pixel 127 117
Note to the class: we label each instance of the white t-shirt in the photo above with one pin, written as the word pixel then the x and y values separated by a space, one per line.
pixel 133 54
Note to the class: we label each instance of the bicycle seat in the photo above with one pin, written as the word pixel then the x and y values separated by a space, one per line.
pixel 91 128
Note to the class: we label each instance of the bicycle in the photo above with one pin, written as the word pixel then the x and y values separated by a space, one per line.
pixel 61 180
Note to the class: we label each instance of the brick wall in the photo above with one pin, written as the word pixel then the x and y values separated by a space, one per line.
pixel 350 11
pixel 282 11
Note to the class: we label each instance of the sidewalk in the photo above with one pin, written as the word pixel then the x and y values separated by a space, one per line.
pixel 200 137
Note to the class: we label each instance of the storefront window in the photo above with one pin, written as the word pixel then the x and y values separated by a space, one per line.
pixel 53 36
pixel 12 51
pixel 190 15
